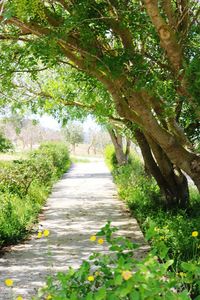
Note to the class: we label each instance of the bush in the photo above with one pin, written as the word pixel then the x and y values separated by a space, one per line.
pixel 110 156
pixel 169 232
pixel 116 275
pixel 24 187
pixel 5 144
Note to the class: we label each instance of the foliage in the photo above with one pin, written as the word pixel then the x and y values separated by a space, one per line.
pixel 142 57
pixel 73 134
pixel 25 185
pixel 116 275
pixel 5 144
pixel 169 232
pixel 110 156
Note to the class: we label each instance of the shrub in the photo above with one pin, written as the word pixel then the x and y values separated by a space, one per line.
pixel 24 186
pixel 5 144
pixel 116 275
pixel 169 232
pixel 110 156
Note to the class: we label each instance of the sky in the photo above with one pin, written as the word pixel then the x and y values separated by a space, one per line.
pixel 51 123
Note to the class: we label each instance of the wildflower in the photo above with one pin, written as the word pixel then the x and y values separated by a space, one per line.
pixel 182 274
pixel 97 273
pixel 39 235
pixel 195 233
pixel 8 282
pixel 100 241
pixel 46 232
pixel 49 297
pixel 93 238
pixel 90 278
pixel 19 298
pixel 126 275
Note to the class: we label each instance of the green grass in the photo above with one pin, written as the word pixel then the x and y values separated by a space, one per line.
pixel 80 160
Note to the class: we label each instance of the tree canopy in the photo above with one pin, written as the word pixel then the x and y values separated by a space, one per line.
pixel 144 55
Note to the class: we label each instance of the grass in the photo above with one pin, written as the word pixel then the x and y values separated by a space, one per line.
pixel 80 160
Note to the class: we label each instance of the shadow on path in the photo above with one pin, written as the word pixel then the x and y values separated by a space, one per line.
pixel 81 202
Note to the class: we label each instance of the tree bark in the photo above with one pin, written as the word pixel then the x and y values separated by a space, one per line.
pixel 128 148
pixel 118 145
pixel 175 193
pixel 184 159
pixel 175 179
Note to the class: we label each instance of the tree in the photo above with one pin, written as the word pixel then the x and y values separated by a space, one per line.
pixel 73 134
pixel 144 54
pixel 117 140
pixel 98 139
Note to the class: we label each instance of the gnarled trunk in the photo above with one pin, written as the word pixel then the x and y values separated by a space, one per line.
pixel 176 180
pixel 173 186
pixel 118 145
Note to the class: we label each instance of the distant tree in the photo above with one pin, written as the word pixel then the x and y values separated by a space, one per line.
pixel 5 144
pixel 98 139
pixel 73 134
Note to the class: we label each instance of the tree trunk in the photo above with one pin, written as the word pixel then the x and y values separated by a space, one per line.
pixel 165 188
pixel 184 159
pixel 128 148
pixel 118 145
pixel 175 179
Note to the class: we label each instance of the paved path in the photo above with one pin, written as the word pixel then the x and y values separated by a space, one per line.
pixel 79 205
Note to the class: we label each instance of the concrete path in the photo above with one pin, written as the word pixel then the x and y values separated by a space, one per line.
pixel 81 202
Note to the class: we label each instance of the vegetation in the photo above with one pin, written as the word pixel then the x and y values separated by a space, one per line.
pixel 5 144
pixel 142 57
pixel 117 275
pixel 73 134
pixel 24 187
pixel 170 233
pixel 135 66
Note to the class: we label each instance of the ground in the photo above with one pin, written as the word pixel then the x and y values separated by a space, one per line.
pixel 81 202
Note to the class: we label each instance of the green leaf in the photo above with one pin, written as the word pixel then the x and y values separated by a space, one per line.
pixel 101 294
pixel 89 296
pixel 169 263
pixel 118 279
pixel 187 266
pixel 135 295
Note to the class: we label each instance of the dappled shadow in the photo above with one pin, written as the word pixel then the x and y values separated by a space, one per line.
pixel 80 204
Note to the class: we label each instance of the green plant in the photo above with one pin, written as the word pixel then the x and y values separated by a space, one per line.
pixel 5 144
pixel 24 187
pixel 116 275
pixel 168 232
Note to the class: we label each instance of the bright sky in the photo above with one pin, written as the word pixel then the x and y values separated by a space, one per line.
pixel 49 122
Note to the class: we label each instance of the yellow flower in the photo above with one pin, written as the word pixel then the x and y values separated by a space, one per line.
pixel 93 238
pixel 90 278
pixel 49 297
pixel 97 273
pixel 39 235
pixel 182 274
pixel 8 282
pixel 126 275
pixel 195 233
pixel 100 241
pixel 46 232
pixel 19 298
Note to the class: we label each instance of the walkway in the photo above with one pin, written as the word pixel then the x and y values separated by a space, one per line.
pixel 81 202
